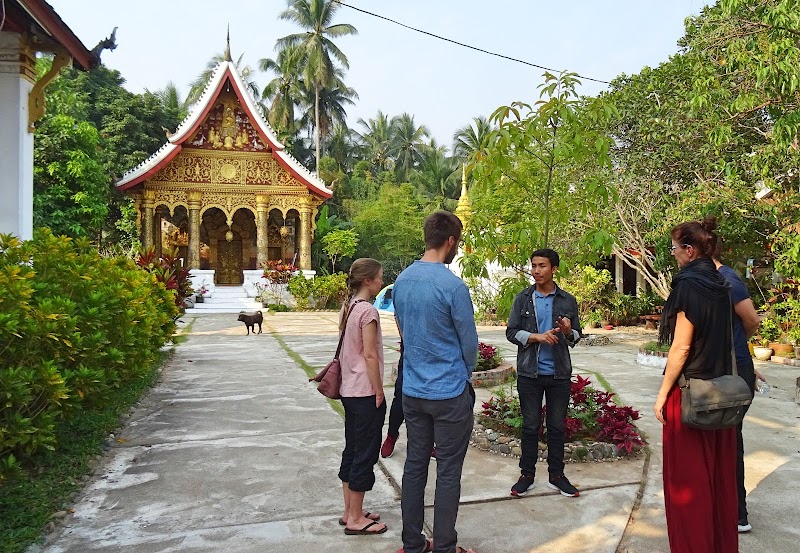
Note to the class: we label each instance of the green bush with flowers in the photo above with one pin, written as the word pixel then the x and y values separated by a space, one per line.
pixel 75 327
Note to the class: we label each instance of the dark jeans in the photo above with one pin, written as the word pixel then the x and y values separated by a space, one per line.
pixel 746 370
pixel 448 423
pixel 396 411
pixel 363 424
pixel 556 392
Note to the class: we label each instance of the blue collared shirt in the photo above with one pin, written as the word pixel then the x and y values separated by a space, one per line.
pixel 544 319
pixel 440 342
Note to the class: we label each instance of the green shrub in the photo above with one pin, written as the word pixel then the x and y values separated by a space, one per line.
pixel 591 288
pixel 301 289
pixel 74 328
pixel 329 289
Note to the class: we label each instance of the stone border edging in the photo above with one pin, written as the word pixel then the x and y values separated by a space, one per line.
pixel 492 377
pixel 492 441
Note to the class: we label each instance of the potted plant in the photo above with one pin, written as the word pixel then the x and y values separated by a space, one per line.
pixel 794 337
pixel 200 294
pixel 761 350
pixel 770 331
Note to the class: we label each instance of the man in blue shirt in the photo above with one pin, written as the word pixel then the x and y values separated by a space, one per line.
pixel 544 325
pixel 745 324
pixel 440 348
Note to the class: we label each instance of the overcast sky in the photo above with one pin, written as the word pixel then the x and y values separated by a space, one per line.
pixel 394 69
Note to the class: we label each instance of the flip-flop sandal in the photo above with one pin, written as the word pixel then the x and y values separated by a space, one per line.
pixel 376 517
pixel 428 547
pixel 365 530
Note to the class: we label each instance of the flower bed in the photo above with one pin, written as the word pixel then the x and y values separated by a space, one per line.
pixel 592 417
pixel 493 377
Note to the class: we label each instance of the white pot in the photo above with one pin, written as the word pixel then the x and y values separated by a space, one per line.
pixel 762 353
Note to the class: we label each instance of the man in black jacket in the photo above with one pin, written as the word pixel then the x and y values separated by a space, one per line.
pixel 544 324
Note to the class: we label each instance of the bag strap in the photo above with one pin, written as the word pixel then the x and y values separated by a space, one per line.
pixel 341 337
pixel 733 343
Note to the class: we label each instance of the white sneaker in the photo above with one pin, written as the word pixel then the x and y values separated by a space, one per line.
pixel 744 526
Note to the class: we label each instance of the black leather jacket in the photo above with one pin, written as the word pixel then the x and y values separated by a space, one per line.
pixel 523 317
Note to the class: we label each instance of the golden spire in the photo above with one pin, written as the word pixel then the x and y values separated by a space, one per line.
pixel 228 45
pixel 464 209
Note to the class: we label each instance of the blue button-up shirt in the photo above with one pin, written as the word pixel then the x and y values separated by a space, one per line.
pixel 440 343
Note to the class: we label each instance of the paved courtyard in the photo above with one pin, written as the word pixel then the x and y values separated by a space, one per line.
pixel 234 451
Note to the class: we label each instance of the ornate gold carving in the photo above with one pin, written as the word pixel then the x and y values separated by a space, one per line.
pixel 170 198
pixel 36 96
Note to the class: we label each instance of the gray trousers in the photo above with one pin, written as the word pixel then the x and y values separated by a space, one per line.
pixel 448 424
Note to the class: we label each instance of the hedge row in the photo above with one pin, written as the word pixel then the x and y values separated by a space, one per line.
pixel 74 327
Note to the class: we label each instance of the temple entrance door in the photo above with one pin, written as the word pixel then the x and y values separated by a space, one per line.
pixel 229 262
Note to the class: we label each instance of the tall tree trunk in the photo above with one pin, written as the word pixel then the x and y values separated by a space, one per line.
pixel 316 121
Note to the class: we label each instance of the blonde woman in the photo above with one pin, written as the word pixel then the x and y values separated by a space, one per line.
pixel 362 395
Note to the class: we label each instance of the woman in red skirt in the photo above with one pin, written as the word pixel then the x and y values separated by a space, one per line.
pixel 699 465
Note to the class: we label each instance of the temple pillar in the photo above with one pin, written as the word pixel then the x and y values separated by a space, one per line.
pixel 305 234
pixel 157 234
pixel 148 204
pixel 262 228
pixel 17 74
pixel 195 201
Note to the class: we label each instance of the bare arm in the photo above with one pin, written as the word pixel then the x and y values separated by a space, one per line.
pixel 676 359
pixel 369 336
pixel 747 313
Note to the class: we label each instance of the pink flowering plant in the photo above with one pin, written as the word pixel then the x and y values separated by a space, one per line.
pixel 592 414
pixel 488 357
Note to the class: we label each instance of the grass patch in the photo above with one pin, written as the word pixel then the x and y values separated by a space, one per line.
pixel 654 345
pixel 310 371
pixel 28 500
pixel 183 335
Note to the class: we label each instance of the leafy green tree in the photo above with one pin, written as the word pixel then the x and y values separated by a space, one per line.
pixel 340 243
pixel 534 178
pixel 315 17
pixel 390 227
pixel 406 145
pixel 130 126
pixel 70 187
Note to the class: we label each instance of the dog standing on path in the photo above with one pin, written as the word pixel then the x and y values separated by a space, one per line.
pixel 250 321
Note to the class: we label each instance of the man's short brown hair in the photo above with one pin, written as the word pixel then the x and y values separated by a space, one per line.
pixel 440 226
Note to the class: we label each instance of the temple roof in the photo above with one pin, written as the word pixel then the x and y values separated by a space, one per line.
pixel 39 18
pixel 225 71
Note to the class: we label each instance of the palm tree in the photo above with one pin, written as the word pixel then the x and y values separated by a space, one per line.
pixel 376 140
pixel 341 146
pixel 332 101
pixel 170 99
pixel 472 138
pixel 315 17
pixel 286 90
pixel 439 171
pixel 406 144
pixel 199 84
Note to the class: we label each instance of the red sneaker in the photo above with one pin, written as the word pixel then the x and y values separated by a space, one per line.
pixel 387 449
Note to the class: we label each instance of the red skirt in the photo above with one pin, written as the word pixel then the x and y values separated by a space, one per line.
pixel 699 485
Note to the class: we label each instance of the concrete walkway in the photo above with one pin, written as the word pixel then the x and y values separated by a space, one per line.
pixel 234 451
